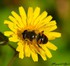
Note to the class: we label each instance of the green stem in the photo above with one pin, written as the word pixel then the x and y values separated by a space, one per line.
pixel 12 47
pixel 14 57
pixel 12 60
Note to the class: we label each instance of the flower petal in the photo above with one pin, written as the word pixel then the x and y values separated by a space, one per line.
pixel 40 18
pixel 47 19
pixel 30 15
pixel 14 21
pixel 51 46
pixel 42 54
pixel 18 18
pixel 44 22
pixel 27 50
pixel 47 52
pixel 8 33
pixel 56 34
pixel 34 56
pixel 47 28
pixel 52 35
pixel 14 38
pixel 51 23
pixel 33 53
pixel 20 50
pixel 11 25
pixel 36 12
pixel 51 28
pixel 22 14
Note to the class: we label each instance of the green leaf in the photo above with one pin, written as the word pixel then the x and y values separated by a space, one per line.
pixel 3 39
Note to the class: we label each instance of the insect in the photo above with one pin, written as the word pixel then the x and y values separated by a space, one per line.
pixel 31 35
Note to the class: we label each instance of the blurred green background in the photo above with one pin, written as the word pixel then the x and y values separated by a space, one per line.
pixel 60 10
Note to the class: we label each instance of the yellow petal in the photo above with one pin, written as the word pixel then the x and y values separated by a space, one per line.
pixel 20 50
pixel 23 14
pixel 42 54
pixel 36 13
pixel 21 55
pixel 39 51
pixel 47 52
pixel 30 15
pixel 14 21
pixel 40 18
pixel 33 53
pixel 20 45
pixel 47 19
pixel 51 23
pixel 17 17
pixel 12 26
pixel 47 28
pixel 44 22
pixel 30 12
pixel 56 34
pixel 34 56
pixel 13 38
pixel 8 33
pixel 51 46
pixel 50 28
pixel 52 35
pixel 27 50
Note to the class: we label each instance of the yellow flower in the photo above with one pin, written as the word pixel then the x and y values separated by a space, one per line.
pixel 32 21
